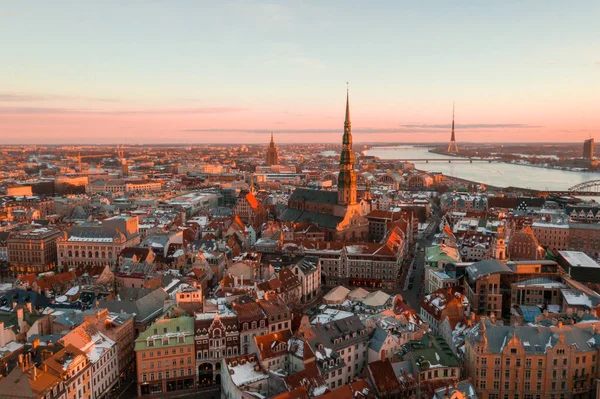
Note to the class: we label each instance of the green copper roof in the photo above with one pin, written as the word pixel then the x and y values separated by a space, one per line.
pixel 172 329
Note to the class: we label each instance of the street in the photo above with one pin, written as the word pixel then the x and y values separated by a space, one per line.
pixel 413 295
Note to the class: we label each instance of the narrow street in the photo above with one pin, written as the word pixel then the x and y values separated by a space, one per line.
pixel 413 295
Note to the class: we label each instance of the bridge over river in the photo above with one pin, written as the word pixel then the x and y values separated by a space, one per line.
pixel 448 160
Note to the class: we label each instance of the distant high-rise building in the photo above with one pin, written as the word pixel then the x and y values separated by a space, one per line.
pixel 588 149
pixel 452 146
pixel 124 168
pixel 272 158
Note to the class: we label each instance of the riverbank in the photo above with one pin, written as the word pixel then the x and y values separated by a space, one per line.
pixel 496 174
pixel 521 162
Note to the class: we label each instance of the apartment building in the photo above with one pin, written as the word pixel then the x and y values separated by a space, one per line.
pixel 102 354
pixel 341 349
pixel 217 336
pixel 532 362
pixel 33 251
pixel 164 356
pixel 308 271
pixel 118 326
pixel 553 237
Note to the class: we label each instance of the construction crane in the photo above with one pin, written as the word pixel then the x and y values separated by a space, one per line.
pixel 79 157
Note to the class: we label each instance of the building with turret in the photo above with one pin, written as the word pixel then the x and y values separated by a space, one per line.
pixel 272 157
pixel 339 213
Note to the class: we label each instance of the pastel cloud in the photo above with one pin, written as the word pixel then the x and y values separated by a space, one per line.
pixel 80 111
pixel 9 97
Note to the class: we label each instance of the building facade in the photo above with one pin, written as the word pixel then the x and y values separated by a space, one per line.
pixel 532 362
pixel 33 251
pixel 165 356
pixel 97 245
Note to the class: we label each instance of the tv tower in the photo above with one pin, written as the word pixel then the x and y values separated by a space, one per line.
pixel 452 146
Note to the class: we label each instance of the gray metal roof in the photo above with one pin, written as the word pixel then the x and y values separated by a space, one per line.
pixel 535 340
pixel 487 267
pixel 378 339
pixel 318 196
pixel 320 219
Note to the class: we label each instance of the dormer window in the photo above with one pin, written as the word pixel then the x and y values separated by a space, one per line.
pixel 150 342
pixel 331 363
pixel 165 341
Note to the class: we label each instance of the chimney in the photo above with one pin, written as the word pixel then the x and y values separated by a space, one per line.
pixel 20 320
pixel 36 343
pixel 560 324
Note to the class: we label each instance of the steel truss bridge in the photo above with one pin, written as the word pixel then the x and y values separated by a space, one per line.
pixel 588 188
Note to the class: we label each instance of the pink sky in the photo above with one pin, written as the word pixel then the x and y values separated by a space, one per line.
pixel 242 124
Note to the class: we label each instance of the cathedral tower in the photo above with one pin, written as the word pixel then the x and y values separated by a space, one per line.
pixel 347 177
pixel 272 158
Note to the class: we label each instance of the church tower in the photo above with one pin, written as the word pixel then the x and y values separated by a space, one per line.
pixel 272 158
pixel 347 177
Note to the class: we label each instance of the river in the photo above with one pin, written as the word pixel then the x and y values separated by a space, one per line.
pixel 495 174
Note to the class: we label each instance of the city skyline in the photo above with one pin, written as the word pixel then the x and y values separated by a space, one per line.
pixel 234 72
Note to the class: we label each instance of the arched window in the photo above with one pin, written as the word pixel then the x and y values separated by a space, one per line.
pixel 96 255
pixel 89 254
pixel 110 255
pixel 77 254
pixel 103 254
pixel 83 254
pixel 70 253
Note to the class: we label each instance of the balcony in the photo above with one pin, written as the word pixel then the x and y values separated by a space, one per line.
pixel 583 377
pixel 584 388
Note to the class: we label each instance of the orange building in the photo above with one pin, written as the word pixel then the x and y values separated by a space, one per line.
pixel 532 362
pixel 164 356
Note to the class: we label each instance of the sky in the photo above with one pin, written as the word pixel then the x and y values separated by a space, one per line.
pixel 175 71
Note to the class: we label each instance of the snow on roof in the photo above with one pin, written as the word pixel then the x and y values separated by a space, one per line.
pixel 90 239
pixel 329 315
pixel 576 298
pixel 246 372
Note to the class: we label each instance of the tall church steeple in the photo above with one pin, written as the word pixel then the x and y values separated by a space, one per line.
pixel 347 176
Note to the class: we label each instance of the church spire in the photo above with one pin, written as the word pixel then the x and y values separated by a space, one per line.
pixel 347 176
pixel 347 126
pixel 272 141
